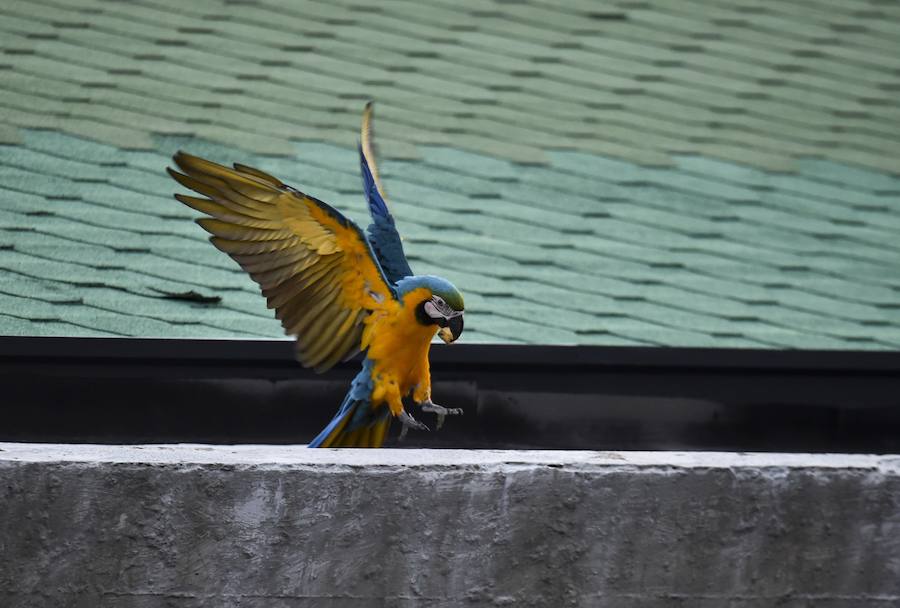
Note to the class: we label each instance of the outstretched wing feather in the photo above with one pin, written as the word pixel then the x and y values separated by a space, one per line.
pixel 237 232
pixel 224 211
pixel 315 267
pixel 248 247
pixel 382 231
pixel 259 174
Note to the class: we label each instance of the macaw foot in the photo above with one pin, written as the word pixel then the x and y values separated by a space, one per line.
pixel 409 422
pixel 441 411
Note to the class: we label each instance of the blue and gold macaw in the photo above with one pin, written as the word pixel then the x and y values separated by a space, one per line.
pixel 335 288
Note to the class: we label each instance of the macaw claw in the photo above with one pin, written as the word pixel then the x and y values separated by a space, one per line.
pixel 441 411
pixel 409 422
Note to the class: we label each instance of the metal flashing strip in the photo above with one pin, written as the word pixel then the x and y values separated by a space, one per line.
pixel 111 390
pixel 279 352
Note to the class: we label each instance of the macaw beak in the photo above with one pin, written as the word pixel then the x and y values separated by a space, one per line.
pixel 452 331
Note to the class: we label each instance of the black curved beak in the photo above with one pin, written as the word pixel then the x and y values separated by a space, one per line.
pixel 452 330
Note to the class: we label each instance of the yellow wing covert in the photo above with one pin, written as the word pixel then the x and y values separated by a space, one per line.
pixel 315 266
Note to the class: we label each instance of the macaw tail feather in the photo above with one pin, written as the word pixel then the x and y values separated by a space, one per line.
pixel 356 425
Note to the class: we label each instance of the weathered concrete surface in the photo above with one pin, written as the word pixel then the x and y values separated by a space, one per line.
pixel 286 527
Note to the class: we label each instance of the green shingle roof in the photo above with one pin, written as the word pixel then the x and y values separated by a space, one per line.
pixel 668 173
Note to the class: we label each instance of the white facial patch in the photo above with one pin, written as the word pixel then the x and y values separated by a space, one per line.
pixel 432 311
pixel 436 308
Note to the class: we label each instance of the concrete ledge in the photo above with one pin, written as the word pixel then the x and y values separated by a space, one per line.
pixel 275 526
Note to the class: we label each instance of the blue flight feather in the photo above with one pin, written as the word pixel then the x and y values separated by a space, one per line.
pixel 382 232
pixel 356 406
pixel 377 206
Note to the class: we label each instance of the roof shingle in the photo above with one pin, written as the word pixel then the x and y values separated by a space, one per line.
pixel 676 174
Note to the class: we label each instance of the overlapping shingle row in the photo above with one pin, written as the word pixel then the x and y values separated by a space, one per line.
pixel 673 173
pixel 759 84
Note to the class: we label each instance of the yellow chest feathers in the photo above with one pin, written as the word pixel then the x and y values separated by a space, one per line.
pixel 398 344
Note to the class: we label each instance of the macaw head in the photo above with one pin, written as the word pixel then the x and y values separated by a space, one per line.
pixel 443 307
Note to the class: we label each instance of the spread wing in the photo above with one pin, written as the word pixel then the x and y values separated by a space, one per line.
pixel 315 266
pixel 382 231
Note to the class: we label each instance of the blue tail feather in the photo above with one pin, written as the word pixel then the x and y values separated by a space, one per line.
pixel 357 423
pixel 347 408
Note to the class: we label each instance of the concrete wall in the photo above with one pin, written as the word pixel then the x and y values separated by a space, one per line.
pixel 285 527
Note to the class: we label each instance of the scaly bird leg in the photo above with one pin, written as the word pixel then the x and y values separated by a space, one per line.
pixel 441 411
pixel 409 422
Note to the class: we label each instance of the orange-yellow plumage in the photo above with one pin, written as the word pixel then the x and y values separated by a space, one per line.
pixel 330 288
pixel 399 347
pixel 312 264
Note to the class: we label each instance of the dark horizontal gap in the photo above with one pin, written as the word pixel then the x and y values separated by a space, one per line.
pixel 607 16
pixel 196 30
pixel 577 397
pixel 223 351
pixel 731 22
